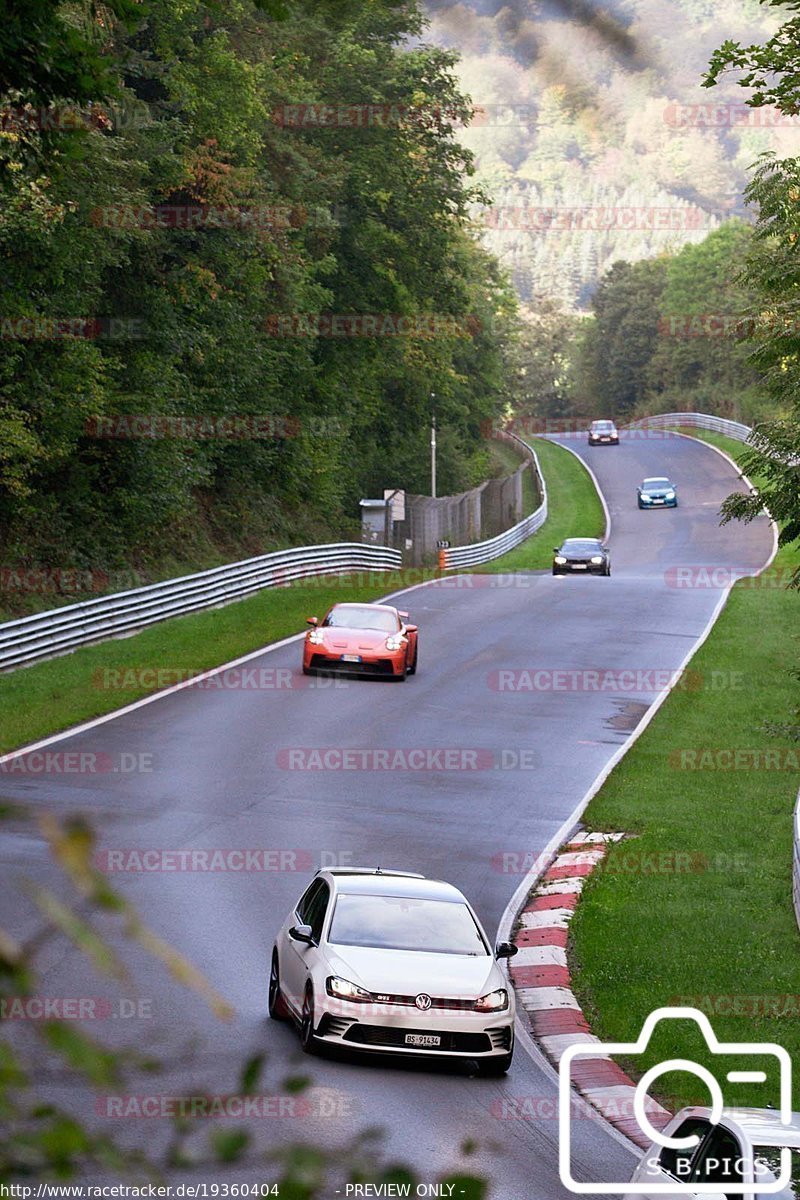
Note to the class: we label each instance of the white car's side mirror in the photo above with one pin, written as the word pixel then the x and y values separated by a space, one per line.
pixel 302 933
pixel 506 950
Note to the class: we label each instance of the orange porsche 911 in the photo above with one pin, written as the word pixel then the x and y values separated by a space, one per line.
pixel 361 639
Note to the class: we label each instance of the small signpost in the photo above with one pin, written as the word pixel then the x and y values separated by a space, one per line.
pixel 397 502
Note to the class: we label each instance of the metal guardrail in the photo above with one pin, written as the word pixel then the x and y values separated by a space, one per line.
pixel 482 552
pixel 731 429
pixel 459 557
pixel 59 630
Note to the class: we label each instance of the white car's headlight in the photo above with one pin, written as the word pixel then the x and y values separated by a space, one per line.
pixel 560 559
pixel 343 989
pixel 395 641
pixel 597 559
pixel 316 637
pixel 493 1002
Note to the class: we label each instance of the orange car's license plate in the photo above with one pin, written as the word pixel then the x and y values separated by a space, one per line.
pixel 351 658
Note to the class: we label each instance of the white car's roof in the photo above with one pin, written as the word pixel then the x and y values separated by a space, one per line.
pixel 762 1125
pixel 416 887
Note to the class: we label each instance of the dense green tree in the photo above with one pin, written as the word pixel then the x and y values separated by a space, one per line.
pixel 240 174
pixel 620 343
pixel 771 74
pixel 773 272
pixel 700 361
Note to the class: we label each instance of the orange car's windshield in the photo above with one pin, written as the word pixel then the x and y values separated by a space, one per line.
pixel 363 616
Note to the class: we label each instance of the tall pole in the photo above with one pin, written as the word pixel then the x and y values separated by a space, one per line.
pixel 433 445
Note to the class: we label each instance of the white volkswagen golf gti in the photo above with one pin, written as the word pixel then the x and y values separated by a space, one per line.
pixel 392 962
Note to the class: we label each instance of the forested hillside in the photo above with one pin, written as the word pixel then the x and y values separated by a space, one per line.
pixel 187 232
pixel 674 333
pixel 597 141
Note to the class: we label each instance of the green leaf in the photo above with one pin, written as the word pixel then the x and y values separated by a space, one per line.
pixel 295 1084
pixel 251 1074
pixel 100 1066
pixel 179 967
pixel 230 1144
pixel 467 1187
pixel 79 932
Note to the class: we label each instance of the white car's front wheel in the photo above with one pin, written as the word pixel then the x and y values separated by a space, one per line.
pixel 275 1003
pixel 492 1067
pixel 307 1023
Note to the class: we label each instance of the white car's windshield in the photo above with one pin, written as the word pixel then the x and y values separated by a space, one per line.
pixel 768 1169
pixel 405 923
pixel 363 616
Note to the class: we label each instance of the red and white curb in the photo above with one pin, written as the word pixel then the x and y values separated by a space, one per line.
pixel 541 978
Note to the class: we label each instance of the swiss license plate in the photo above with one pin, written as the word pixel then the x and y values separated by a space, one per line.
pixel 351 658
pixel 579 566
pixel 423 1039
pixel 658 502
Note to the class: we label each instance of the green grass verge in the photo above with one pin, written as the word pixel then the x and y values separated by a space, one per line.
pixel 55 695
pixel 62 692
pixel 697 907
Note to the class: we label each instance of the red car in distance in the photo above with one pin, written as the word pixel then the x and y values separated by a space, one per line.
pixel 361 639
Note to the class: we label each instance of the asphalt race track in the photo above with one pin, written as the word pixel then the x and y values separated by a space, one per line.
pixel 223 777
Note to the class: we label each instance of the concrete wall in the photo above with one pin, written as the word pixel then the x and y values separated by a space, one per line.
pixel 471 516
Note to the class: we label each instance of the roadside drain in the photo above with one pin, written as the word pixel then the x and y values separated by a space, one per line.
pixel 628 717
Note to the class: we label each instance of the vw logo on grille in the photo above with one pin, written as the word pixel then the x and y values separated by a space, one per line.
pixel 423 1001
